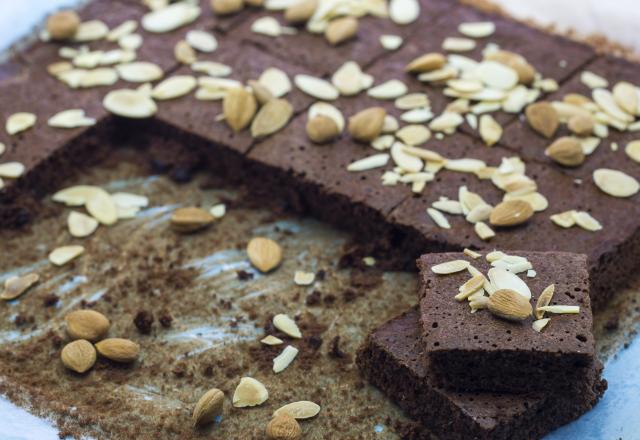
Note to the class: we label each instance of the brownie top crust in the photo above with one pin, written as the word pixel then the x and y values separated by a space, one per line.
pixel 449 325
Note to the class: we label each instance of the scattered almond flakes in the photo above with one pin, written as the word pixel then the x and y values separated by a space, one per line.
pixel 544 299
pixel 615 183
pixel 539 324
pixel 16 286
pixel 302 278
pixel 19 122
pixel 471 253
pixel 271 340
pixel 560 309
pixel 369 261
pixel 81 225
pixel 64 254
pixel 438 218
pixel 287 325
pixel 218 211
pixel 300 410
pixel 249 392
pixel 450 267
pixel 284 359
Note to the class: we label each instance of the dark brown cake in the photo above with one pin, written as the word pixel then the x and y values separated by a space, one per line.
pixel 393 359
pixel 481 352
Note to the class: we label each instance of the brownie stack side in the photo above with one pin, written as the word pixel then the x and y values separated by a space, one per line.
pixel 393 359
pixel 481 352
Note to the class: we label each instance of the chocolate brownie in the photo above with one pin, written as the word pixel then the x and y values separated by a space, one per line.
pixel 481 352
pixel 610 251
pixel 531 145
pixel 393 359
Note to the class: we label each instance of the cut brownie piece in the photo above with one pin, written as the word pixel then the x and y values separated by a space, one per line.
pixel 482 352
pixel 392 358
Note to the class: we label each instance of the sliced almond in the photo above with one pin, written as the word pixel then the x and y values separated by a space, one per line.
pixel 302 278
pixel 403 12
pixel 564 219
pixel 454 44
pixel 497 75
pixel 633 150
pixel 170 17
pixel 209 406
pixel 450 267
pixel 330 111
pixel 561 310
pixel 212 68
pixel 271 118
pixel 615 183
pixel 391 42
pixel 479 29
pixel 284 359
pixel 369 163
pixel 271 340
pixel 592 80
pixel 366 125
pixel 484 231
pixel 301 410
pixel 276 81
pixel 391 89
pixel 510 305
pixel 260 92
pixel 64 254
pixel 287 325
pixel 341 29
pixel 118 350
pixel 72 118
pixel 239 107
pixel 174 87
pixel 566 151
pixel 470 287
pixel 586 221
pixel 414 134
pixel 91 30
pixel 539 324
pixel 11 170
pixel 16 286
pixel 19 122
pixel 348 79
pixel 544 299
pixel 426 63
pixel 139 71
pixel 448 206
pixel 190 219
pixel 438 218
pixel 608 104
pixel 78 356
pixel 511 213
pixel 626 96
pixel 264 253
pixel 490 130
pixel 81 225
pixel 446 121
pixel 201 40
pixel 543 118
pixel 249 392
pixel 129 104
pixel 316 87
pixel 406 162
pixel 87 324
pixel 101 207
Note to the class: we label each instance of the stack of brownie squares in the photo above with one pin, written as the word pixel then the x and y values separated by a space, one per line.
pixel 465 370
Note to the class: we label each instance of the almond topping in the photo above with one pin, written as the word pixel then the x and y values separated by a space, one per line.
pixel 271 117
pixel 19 122
pixel 81 225
pixel 16 286
pixel 63 254
pixel 539 324
pixel 287 325
pixel 615 183
pixel 366 125
pixel 543 118
pixel 511 213
pixel 426 63
pixel 226 7
pixel 450 267
pixel 544 299
pixel 301 410
pixel 509 305
pixel 239 107
pixel 322 129
pixel 341 29
pixel 284 359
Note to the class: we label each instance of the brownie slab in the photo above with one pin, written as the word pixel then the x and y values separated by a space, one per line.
pixel 481 352
pixel 393 359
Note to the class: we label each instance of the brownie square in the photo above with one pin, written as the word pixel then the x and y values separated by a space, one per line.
pixel 481 352
pixel 520 137
pixel 392 358
pixel 610 251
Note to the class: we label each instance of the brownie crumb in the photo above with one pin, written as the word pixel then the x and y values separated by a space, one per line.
pixel 366 278
pixel 335 351
pixel 321 275
pixel 350 295
pixel 329 299
pixel 165 319
pixel 143 321
pixel 612 324
pixel 50 300
pixel 243 275
pixel 314 298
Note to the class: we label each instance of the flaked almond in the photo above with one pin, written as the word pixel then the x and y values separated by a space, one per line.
pixel 561 310
pixel 633 150
pixel 404 12
pixel 249 392
pixel 566 151
pixel 79 355
pixel 302 278
pixel 209 407
pixel 341 29
pixel 300 11
pixel 526 72
pixel 544 299
pixel 271 340
pixel 287 325
pixel 511 213
pixel 283 427
pixel 543 118
pixel 369 163
pixel 470 287
pixel 501 278
pixel 190 219
pixel 87 324
pixel 129 104
pixel 264 253
pixel 627 97
pixel 300 410
pixel 101 207
pixel 19 122
pixel 16 286
pixel 426 63
pixel 615 183
pixel 118 350
pixel 261 92
pixel 64 254
pixel 510 305
pixel 284 359
pixel 539 324
pixel 81 225
pixel 271 117
pixel 239 108
pixel 450 267
pixel 63 25
pixel 490 130
pixel 581 125
pixel 367 124
pixel 184 53
pixel 484 231
pixel 322 129
pixel 226 7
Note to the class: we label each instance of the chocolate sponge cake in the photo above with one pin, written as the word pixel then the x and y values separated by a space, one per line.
pixel 394 360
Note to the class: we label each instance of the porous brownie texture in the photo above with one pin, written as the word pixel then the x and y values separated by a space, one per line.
pixel 481 352
pixel 393 359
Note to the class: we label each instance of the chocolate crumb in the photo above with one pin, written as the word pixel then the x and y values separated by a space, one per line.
pixel 144 321
pixel 612 323
pixel 165 319
pixel 243 275
pixel 314 298
pixel 335 351
pixel 50 300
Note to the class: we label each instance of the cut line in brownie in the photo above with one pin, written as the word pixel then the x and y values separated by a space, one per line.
pixel 393 359
pixel 481 352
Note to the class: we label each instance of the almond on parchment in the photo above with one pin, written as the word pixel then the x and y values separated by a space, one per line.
pixel 239 107
pixel 87 324
pixel 190 219
pixel 543 118
pixel 367 124
pixel 511 213
pixel 79 355
pixel 287 325
pixel 209 406
pixel 341 29
pixel 283 427
pixel 118 349
pixel 510 305
pixel 566 151
pixel 249 392
pixel 264 253
pixel 16 286
pixel 302 409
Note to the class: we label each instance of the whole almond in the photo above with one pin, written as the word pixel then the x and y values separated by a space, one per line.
pixel 301 11
pixel 509 304
pixel 283 427
pixel 87 324
pixel 190 219
pixel 322 129
pixel 118 349
pixel 63 25
pixel 566 151
pixel 226 7
pixel 511 213
pixel 426 63
pixel 272 117
pixel 581 125
pixel 79 355
pixel 526 72
pixel 239 107
pixel 261 93
pixel 264 253
pixel 208 407
pixel 543 118
pixel 341 29
pixel 367 125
